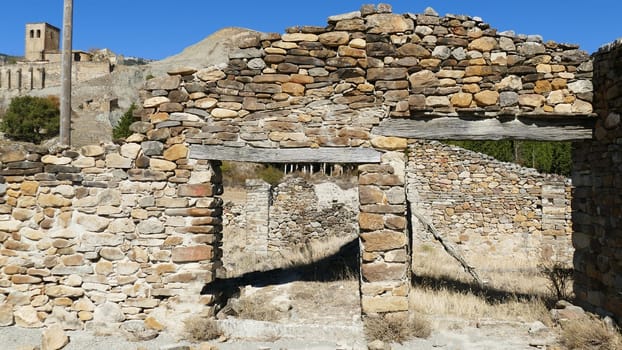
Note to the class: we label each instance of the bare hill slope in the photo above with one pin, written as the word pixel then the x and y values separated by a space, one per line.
pixel 213 50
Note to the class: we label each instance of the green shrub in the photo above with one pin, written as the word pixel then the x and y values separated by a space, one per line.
pixel 31 119
pixel 271 175
pixel 122 129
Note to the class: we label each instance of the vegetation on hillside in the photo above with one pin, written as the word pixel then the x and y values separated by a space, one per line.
pixel 546 157
pixel 122 129
pixel 31 119
pixel 8 59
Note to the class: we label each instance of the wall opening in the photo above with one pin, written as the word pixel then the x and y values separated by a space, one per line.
pixel 508 223
pixel 296 234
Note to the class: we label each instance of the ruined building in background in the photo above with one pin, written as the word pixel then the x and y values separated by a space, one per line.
pixel 41 65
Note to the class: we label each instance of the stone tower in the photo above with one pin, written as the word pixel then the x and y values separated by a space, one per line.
pixel 40 39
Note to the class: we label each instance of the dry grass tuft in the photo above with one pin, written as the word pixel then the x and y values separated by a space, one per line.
pixel 253 309
pixel 590 333
pixel 394 330
pixel 202 329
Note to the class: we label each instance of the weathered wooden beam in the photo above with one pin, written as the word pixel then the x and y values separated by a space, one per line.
pixel 536 128
pixel 286 155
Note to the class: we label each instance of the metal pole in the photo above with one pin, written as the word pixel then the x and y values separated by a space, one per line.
pixel 65 99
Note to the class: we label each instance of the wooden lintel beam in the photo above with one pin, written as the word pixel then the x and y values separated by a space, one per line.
pixel 286 155
pixel 517 128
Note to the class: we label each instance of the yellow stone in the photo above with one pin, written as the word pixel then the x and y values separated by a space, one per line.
pixel 175 152
pixel 152 323
pixel 461 100
pixel 29 188
pixel 389 143
pixel 486 98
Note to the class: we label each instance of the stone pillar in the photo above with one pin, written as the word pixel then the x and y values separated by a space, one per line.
pixel 30 79
pixel 18 79
pixel 41 78
pixel 597 197
pixel 257 216
pixel 7 80
pixel 556 215
pixel 385 255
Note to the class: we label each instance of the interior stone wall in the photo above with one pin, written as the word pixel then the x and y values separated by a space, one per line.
pixel 490 208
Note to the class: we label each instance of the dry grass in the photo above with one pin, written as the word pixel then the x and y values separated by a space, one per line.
pixel 516 275
pixel 290 257
pixel 515 290
pixel 202 329
pixel 590 333
pixel 471 306
pixel 254 309
pixel 396 330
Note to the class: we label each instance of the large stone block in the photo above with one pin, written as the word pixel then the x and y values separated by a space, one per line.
pixel 383 240
pixel 193 254
pixel 383 304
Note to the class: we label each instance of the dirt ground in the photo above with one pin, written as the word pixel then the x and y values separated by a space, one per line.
pixel 313 316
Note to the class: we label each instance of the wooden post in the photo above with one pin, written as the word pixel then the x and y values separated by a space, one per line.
pixel 65 99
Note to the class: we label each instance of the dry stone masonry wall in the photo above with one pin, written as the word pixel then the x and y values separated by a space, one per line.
pixel 490 208
pixel 329 86
pixel 124 232
pixel 106 234
pixel 597 199
pixel 291 215
pixel 25 76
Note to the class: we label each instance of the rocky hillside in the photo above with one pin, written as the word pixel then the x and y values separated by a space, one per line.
pixel 92 123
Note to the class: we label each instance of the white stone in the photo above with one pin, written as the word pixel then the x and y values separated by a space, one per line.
pixel 130 150
pixel 150 226
pixel 54 338
pixel 210 74
pixel 563 108
pixel 50 159
pixel 555 97
pixel 581 86
pixel 155 101
pixel 109 313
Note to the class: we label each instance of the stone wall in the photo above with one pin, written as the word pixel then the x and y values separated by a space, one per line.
pixel 39 75
pixel 291 215
pixel 597 199
pixel 490 208
pixel 329 86
pixel 313 87
pixel 106 234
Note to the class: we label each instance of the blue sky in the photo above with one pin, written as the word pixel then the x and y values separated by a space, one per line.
pixel 157 29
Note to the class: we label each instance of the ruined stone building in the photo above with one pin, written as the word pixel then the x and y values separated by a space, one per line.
pixel 137 228
pixel 42 62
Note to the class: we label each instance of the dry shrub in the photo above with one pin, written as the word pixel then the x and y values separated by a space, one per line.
pixel 396 330
pixel 254 309
pixel 202 329
pixel 590 333
pixel 559 277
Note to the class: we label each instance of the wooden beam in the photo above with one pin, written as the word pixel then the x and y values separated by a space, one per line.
pixel 286 155
pixel 536 128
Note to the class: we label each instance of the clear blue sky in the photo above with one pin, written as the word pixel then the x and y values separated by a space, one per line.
pixel 157 29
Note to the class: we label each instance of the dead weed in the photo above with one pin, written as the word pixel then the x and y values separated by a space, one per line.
pixel 202 329
pixel 590 333
pixel 395 329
